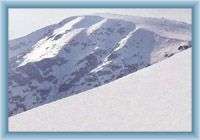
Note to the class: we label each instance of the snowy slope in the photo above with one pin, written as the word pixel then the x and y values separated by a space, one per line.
pixel 157 98
pixel 84 52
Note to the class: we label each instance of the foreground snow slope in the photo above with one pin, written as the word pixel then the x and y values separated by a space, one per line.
pixel 157 98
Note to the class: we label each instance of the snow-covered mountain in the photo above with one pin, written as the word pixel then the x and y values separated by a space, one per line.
pixel 147 100
pixel 83 52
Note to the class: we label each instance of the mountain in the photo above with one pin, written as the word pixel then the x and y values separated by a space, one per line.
pixel 84 52
pixel 157 98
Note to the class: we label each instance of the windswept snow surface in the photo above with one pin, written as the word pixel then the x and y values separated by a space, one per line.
pixel 84 52
pixel 96 26
pixel 157 98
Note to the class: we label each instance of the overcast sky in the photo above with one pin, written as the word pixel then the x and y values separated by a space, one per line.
pixel 25 21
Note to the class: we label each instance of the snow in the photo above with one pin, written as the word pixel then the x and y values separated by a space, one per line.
pixel 141 38
pixel 68 26
pixel 125 40
pixel 156 98
pixel 47 48
pixel 165 27
pixel 100 67
pixel 96 26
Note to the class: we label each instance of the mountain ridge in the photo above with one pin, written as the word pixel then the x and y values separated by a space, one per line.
pixel 83 52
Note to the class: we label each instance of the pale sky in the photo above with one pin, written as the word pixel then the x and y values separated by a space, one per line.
pixel 25 21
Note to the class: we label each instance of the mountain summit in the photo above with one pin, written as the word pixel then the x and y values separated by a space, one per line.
pixel 84 52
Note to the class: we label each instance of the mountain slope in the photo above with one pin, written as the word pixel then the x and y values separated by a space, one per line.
pixel 84 52
pixel 147 100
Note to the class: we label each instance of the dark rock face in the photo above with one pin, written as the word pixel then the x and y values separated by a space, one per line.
pixel 31 72
pixel 169 55
pixel 44 93
pixel 17 78
pixel 58 36
pixel 48 63
pixel 183 47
